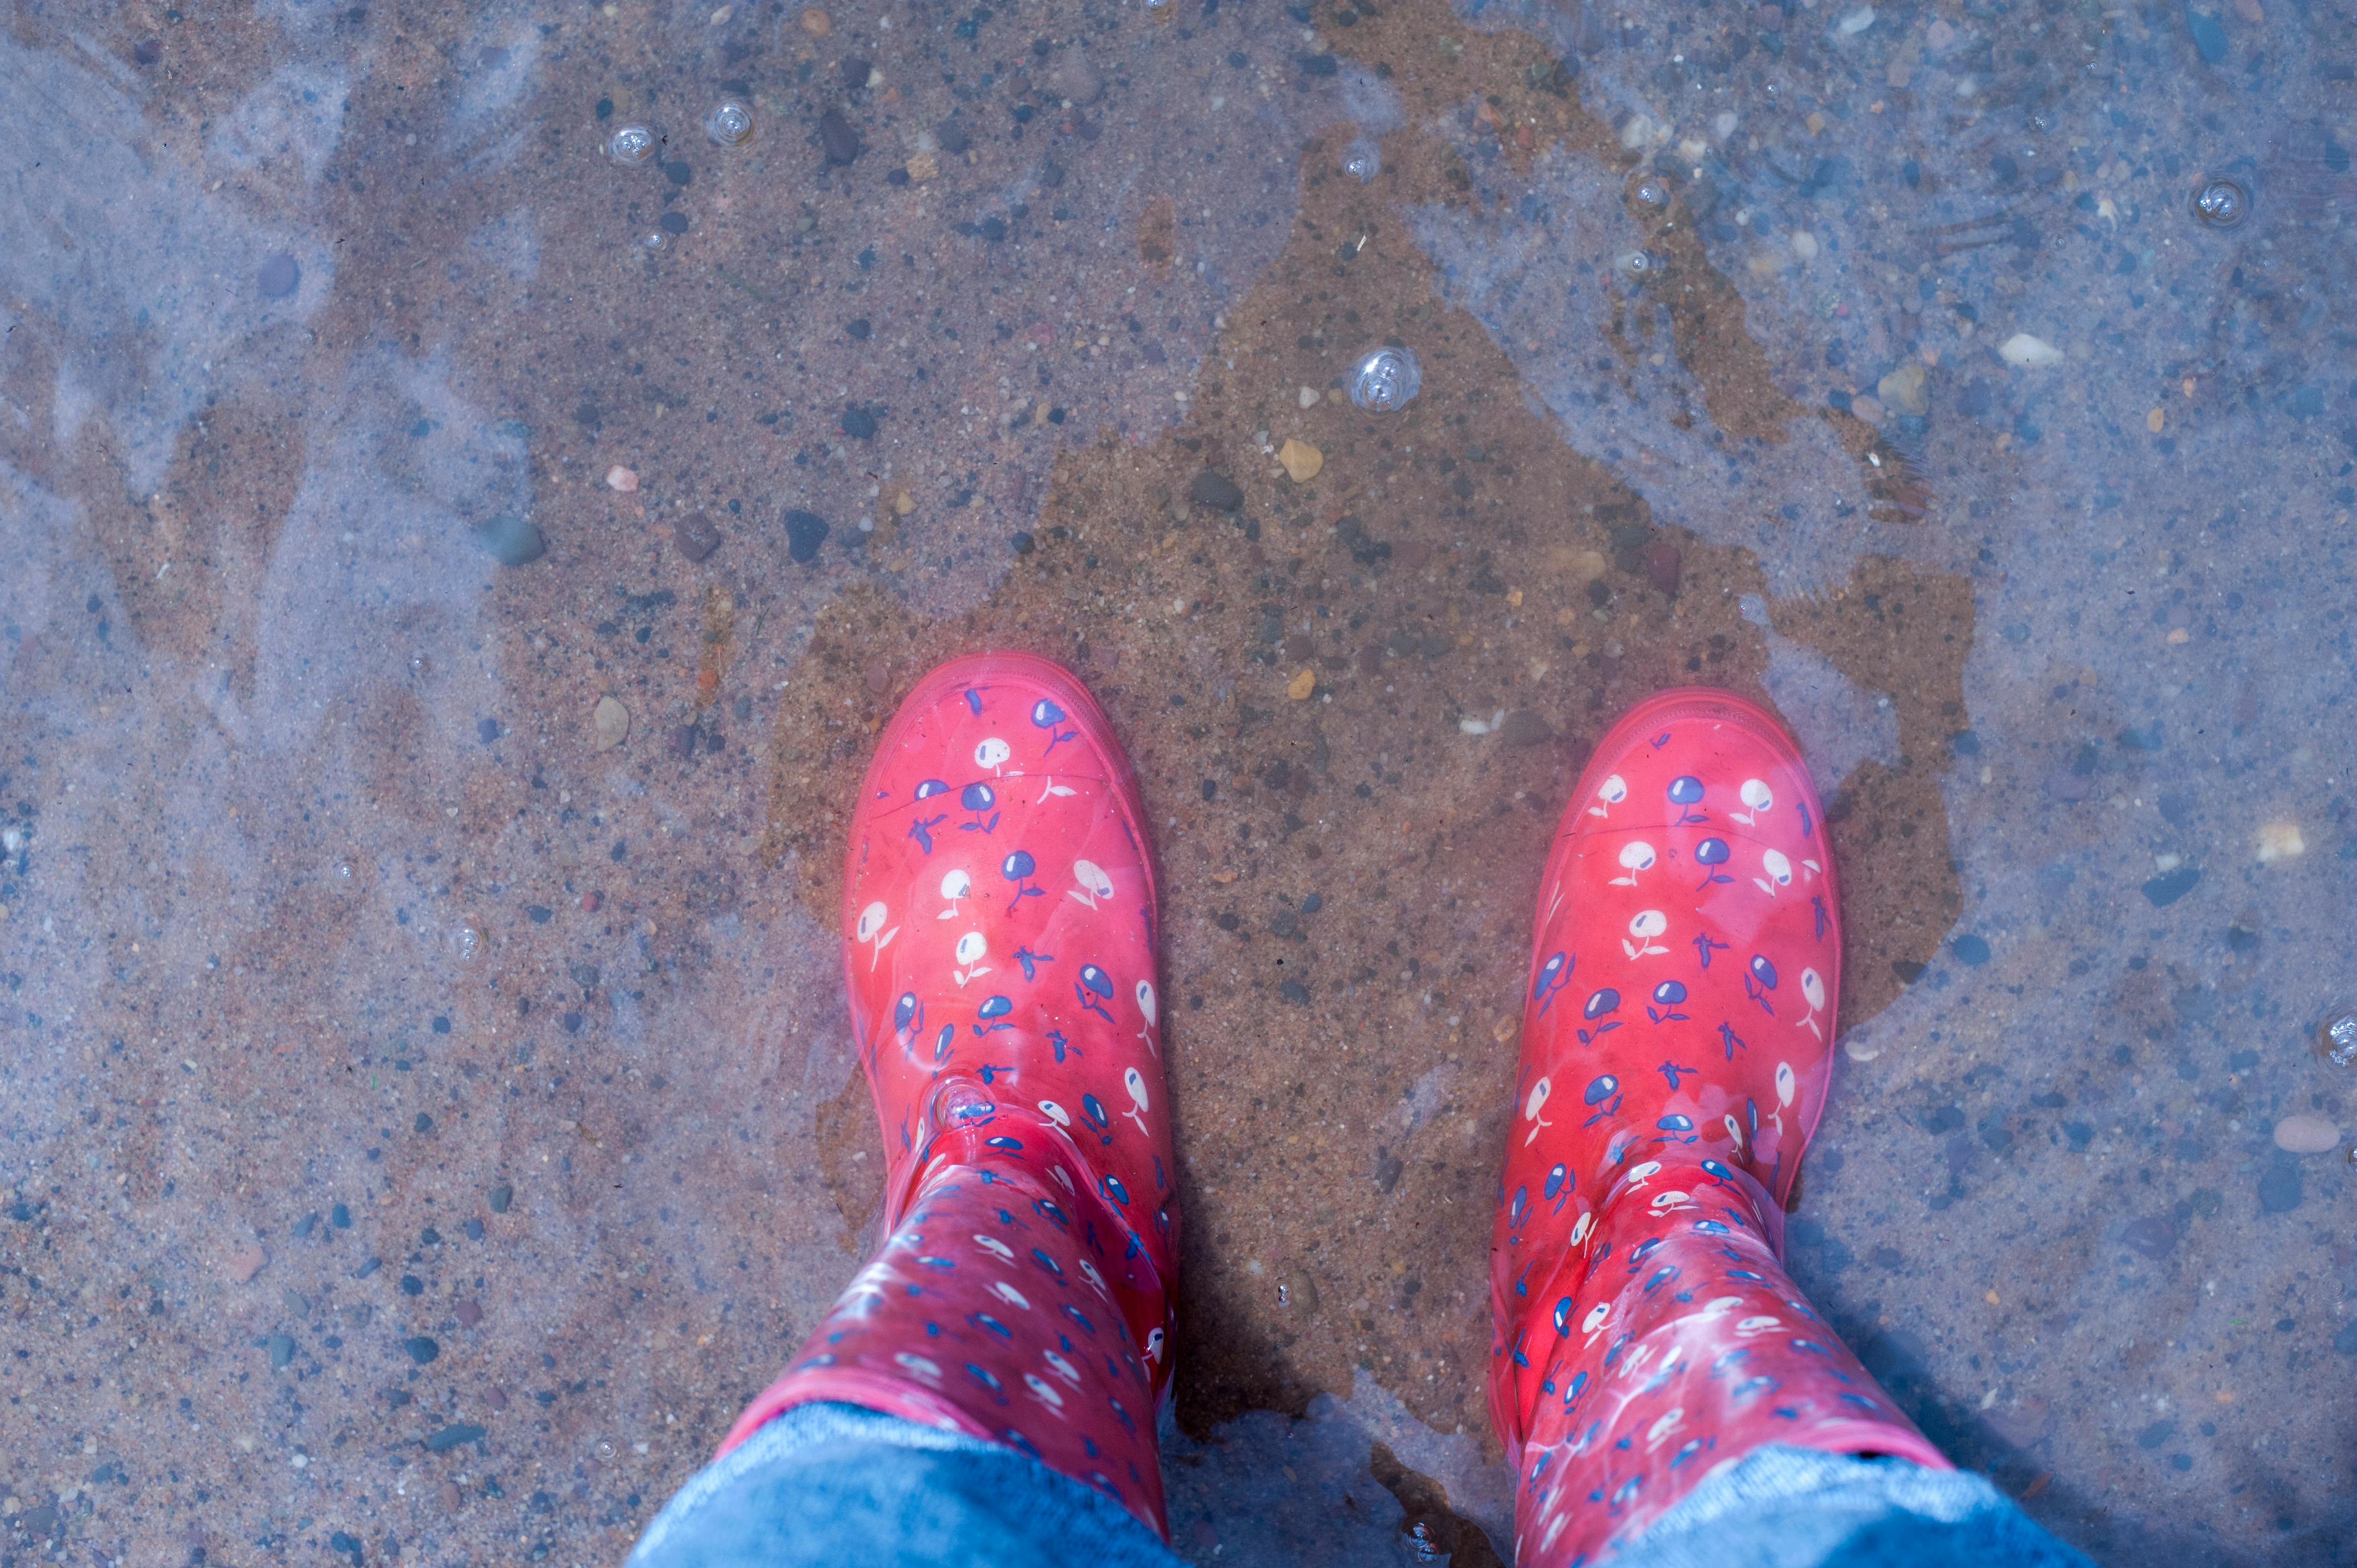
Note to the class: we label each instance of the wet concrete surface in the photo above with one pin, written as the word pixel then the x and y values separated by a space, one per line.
pixel 440 630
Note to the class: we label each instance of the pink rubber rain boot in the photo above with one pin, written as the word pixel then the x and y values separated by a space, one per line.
pixel 1676 1050
pixel 999 944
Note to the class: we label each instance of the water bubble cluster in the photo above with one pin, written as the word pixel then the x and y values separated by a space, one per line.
pixel 631 144
pixel 1362 161
pixel 1652 190
pixel 2221 202
pixel 730 123
pixel 1384 380
pixel 2337 1038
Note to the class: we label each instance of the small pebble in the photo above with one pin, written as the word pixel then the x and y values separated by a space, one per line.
pixel 835 134
pixel 805 531
pixel 1301 460
pixel 696 535
pixel 2153 1235
pixel 1306 397
pixel 467 1312
pixel 1523 728
pixel 2280 841
pixel 279 277
pixel 245 1263
pixel 501 1195
pixel 2304 1135
pixel 2027 352
pixel 1075 81
pixel 1215 491
pixel 420 1348
pixel 611 720
pixel 2209 35
pixel 512 540
pixel 1302 685
pixel 1662 568
pixel 817 23
pixel 1902 389
pixel 624 480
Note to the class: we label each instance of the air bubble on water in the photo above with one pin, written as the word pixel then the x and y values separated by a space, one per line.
pixel 1361 160
pixel 730 123
pixel 2337 1038
pixel 653 240
pixel 420 666
pixel 630 145
pixel 466 939
pixel 1638 264
pixel 1384 380
pixel 2221 202
pixel 607 1451
pixel 1652 190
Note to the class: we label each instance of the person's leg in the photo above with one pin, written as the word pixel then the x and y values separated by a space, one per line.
pixel 1802 1507
pixel 1000 930
pixel 839 1484
pixel 1676 1050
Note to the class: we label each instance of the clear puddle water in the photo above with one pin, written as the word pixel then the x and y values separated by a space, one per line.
pixel 457 550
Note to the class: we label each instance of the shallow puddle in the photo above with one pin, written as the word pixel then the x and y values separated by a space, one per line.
pixel 454 569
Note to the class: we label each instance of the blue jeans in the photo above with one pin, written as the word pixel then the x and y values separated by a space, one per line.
pixel 828 1484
